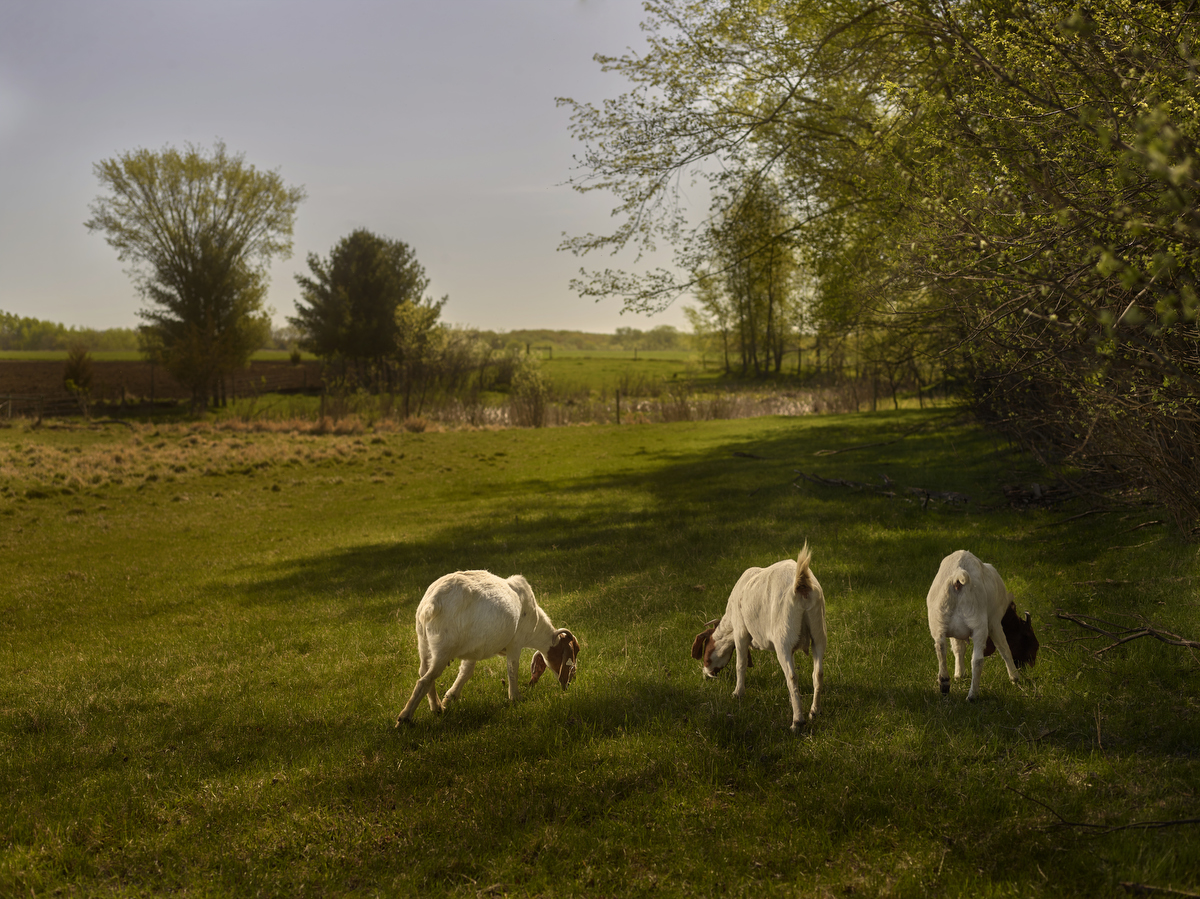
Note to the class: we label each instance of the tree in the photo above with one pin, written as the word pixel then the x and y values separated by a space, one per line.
pixel 1054 157
pixel 77 375
pixel 420 345
pixel 1009 186
pixel 349 306
pixel 199 231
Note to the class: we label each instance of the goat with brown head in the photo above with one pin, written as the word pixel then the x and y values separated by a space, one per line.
pixel 474 615
pixel 780 608
pixel 968 601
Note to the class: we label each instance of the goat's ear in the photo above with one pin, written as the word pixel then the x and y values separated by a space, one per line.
pixel 536 667
pixel 699 643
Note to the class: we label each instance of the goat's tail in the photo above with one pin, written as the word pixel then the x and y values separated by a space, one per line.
pixel 804 578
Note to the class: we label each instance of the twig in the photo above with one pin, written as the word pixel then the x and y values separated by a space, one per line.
pixel 947 496
pixel 1144 524
pixel 1104 828
pixel 1120 635
pixel 1146 889
pixel 828 452
pixel 1073 517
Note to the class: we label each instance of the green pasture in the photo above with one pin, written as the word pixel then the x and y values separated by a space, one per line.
pixel 604 372
pixel 206 636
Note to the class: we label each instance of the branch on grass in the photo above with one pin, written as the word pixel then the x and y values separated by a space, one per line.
pixel 888 489
pixel 1120 634
pixel 1073 518
pixel 1104 828
pixel 1146 889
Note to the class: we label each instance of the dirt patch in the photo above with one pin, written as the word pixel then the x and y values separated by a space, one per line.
pixel 136 382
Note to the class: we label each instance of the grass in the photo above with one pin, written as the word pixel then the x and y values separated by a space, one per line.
pixel 206 635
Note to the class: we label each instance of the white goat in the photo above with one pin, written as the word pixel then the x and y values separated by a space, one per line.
pixel 474 615
pixel 968 601
pixel 781 608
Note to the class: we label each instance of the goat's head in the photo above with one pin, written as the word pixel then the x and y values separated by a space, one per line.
pixel 1018 631
pixel 562 657
pixel 704 649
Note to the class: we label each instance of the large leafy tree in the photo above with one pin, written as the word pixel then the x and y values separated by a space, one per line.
pixel 1054 157
pixel 352 305
pixel 199 230
pixel 1009 184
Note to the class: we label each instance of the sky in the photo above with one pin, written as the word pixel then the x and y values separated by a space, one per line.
pixel 428 121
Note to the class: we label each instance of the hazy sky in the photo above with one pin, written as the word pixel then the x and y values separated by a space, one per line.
pixel 430 121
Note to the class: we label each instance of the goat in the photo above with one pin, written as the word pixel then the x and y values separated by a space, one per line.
pixel 781 608
pixel 968 601
pixel 474 615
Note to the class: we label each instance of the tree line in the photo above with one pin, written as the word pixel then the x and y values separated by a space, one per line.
pixel 996 192
pixel 22 333
pixel 199 229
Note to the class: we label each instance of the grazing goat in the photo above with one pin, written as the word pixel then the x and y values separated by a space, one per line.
pixel 968 601
pixel 781 608
pixel 474 615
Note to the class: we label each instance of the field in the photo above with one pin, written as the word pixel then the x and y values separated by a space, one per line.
pixel 206 635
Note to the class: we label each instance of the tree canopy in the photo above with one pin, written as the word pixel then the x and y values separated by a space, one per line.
pixel 1008 186
pixel 198 230
pixel 365 307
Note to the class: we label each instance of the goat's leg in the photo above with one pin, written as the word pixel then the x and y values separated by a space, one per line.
pixel 818 673
pixel 816 627
pixel 514 670
pixel 425 684
pixel 939 646
pixel 979 641
pixel 788 664
pixel 960 655
pixel 1001 642
pixel 465 670
pixel 743 662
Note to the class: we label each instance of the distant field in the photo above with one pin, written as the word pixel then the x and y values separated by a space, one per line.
pixel 573 371
pixel 206 634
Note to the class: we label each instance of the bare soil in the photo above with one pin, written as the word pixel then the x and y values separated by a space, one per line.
pixel 25 386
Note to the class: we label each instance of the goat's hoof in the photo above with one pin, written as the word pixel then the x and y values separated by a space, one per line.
pixel 797 727
pixel 971 698
pixel 401 722
pixel 944 685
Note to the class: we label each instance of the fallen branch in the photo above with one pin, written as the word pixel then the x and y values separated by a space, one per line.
pixel 1146 889
pixel 945 496
pixel 1073 518
pixel 1104 828
pixel 846 449
pixel 1121 635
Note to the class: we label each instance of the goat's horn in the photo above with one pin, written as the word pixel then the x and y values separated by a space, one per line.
pixel 1028 618
pixel 712 623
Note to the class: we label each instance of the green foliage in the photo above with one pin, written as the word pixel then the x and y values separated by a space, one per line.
pixel 77 374
pixel 349 306
pixel 199 231
pixel 530 394
pixel 207 635
pixel 1001 195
